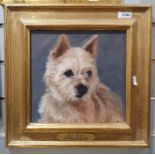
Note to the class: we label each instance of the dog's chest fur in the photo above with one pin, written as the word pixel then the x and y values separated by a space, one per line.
pixel 70 112
pixel 99 107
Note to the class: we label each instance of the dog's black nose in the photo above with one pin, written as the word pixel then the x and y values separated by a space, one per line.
pixel 81 90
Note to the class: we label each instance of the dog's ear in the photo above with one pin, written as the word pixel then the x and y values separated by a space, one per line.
pixel 91 45
pixel 61 47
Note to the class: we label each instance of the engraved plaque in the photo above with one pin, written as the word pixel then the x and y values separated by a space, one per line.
pixel 75 137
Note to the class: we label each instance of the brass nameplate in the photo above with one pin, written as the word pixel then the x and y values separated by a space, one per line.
pixel 75 137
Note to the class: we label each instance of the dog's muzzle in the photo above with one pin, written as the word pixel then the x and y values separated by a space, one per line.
pixel 81 90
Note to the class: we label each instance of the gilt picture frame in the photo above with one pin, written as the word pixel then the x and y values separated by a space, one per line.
pixel 25 24
pixel 64 1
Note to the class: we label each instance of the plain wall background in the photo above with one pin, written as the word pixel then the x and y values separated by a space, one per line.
pixel 93 150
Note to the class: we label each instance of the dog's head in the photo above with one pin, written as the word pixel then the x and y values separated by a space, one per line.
pixel 71 72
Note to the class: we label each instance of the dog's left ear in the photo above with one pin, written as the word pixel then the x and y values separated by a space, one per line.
pixel 61 47
pixel 91 45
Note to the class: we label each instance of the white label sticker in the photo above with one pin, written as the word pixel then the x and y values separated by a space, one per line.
pixel 125 15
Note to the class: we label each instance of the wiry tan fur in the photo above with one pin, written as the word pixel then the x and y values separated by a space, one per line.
pixel 59 104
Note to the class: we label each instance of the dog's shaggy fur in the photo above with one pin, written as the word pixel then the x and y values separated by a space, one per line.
pixel 74 93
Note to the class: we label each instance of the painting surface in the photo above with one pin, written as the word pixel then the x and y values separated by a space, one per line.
pixel 110 65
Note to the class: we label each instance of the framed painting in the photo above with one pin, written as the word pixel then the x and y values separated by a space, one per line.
pixel 77 75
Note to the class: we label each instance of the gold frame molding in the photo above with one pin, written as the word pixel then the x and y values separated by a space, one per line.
pixel 64 1
pixel 20 19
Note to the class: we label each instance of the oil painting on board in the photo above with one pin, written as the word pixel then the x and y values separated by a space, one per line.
pixel 78 76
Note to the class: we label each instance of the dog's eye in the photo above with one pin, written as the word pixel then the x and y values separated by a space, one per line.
pixel 89 73
pixel 69 73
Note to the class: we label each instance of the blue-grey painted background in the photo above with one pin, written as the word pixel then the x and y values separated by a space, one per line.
pixel 110 60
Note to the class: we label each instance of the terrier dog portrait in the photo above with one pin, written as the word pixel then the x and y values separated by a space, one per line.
pixel 74 93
